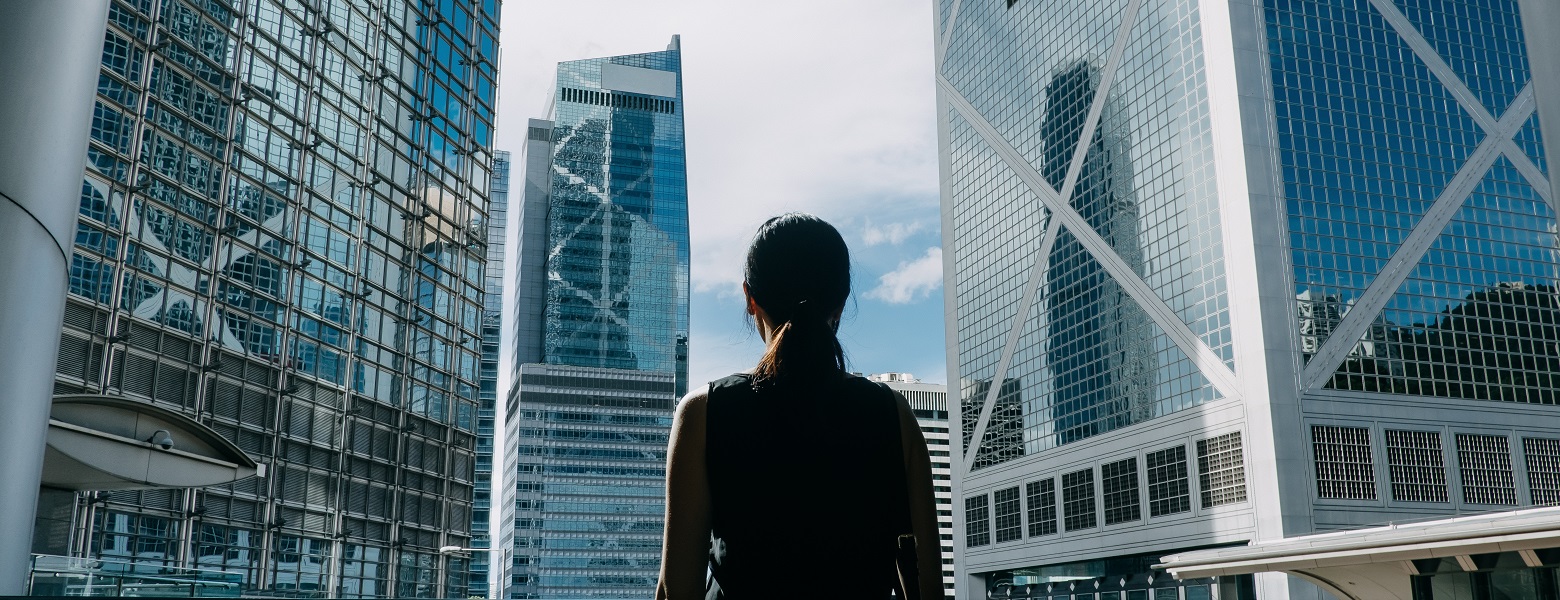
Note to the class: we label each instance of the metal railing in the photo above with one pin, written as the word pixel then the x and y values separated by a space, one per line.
pixel 67 576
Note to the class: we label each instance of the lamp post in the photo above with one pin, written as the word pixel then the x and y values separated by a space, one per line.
pixel 458 552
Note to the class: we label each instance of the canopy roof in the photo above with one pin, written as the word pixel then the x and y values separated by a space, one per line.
pixel 1377 562
pixel 100 442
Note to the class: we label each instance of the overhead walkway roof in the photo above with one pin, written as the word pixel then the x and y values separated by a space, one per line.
pixel 1381 562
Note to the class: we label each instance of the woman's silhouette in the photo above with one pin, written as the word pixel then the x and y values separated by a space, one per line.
pixel 795 480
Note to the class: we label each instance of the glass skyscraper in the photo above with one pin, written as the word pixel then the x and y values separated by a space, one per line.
pixel 487 395
pixel 601 322
pixel 282 234
pixel 1245 270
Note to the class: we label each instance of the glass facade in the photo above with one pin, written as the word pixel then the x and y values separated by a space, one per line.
pixel 1369 139
pixel 1374 167
pixel 592 405
pixel 487 378
pixel 1088 358
pixel 1118 578
pixel 282 232
pixel 617 265
pixel 591 481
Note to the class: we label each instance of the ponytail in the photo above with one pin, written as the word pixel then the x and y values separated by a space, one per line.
pixel 800 347
pixel 798 272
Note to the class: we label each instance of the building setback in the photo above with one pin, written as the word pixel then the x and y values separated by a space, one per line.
pixel 929 401
pixel 281 235
pixel 601 327
pixel 1245 271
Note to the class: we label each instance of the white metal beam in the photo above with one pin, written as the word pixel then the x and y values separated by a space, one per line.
pixel 1535 176
pixel 1209 364
pixel 946 35
pixel 1544 16
pixel 1497 141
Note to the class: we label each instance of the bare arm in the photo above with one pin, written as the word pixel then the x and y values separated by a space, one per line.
pixel 686 541
pixel 923 505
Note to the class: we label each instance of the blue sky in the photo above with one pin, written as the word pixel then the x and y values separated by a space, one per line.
pixel 811 105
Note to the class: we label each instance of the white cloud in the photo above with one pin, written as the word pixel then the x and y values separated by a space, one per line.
pixel 913 280
pixel 809 105
pixel 892 233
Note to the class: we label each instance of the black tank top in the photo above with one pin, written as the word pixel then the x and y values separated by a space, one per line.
pixel 808 489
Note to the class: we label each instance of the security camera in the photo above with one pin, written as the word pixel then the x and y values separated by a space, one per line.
pixel 162 439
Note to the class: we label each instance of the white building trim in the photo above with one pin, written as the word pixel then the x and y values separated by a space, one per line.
pixel 946 35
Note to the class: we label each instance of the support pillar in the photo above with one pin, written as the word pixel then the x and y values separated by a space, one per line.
pixel 1540 21
pixel 49 57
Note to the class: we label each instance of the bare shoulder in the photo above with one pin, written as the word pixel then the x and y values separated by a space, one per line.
pixel 693 403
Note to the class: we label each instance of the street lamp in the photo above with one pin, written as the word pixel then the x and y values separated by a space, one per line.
pixel 459 552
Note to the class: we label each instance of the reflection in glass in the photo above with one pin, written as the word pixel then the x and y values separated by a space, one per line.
pixel 1089 359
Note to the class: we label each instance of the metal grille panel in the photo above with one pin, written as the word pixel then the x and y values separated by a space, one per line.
pixel 1344 467
pixel 1543 468
pixel 977 521
pixel 1484 462
pixel 1009 518
pixel 1416 466
pixel 1221 470
pixel 1078 500
pixel 1120 482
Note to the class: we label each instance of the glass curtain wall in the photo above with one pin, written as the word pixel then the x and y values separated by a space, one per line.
pixel 282 235
pixel 487 390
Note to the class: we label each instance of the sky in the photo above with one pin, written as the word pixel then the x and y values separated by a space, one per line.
pixel 818 106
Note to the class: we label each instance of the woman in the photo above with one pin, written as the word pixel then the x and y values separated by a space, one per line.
pixel 795 480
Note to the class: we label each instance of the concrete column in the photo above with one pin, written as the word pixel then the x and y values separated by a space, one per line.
pixel 1540 21
pixel 49 57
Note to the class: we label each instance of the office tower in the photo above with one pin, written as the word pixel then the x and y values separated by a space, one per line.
pixel 1245 270
pixel 929 401
pixel 601 320
pixel 484 575
pixel 282 232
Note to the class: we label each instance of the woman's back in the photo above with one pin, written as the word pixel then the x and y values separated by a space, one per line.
pixel 803 475
pixel 807 488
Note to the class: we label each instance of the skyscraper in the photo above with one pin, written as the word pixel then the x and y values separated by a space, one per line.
pixel 1245 270
pixel 281 235
pixel 492 494
pixel 601 320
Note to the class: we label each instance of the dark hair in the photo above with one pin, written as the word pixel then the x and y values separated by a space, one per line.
pixel 798 271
